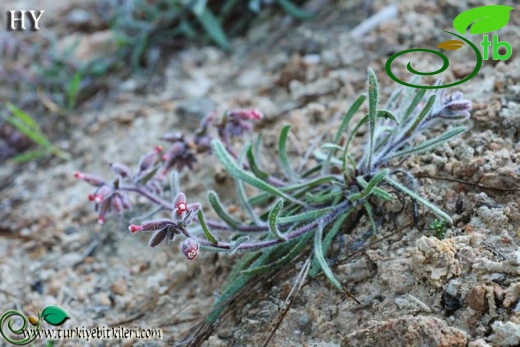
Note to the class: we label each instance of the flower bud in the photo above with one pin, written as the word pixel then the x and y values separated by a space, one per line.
pixel 172 137
pixel 120 169
pixel 102 193
pixel 104 208
pixel 148 160
pixel 90 179
pixel 151 225
pixel 252 114
pixel 190 248
pixel 117 205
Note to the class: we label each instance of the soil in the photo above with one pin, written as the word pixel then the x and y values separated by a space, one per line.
pixel 414 289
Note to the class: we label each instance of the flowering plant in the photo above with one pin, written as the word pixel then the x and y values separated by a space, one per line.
pixel 304 207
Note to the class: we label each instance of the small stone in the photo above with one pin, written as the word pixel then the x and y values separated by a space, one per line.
pixel 79 17
pixel 119 287
pixel 103 299
pixel 304 322
pixel 505 334
pixel 71 259
pixel 477 298
pixel 152 282
pixel 479 343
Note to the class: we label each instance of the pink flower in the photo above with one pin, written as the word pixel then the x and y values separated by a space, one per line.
pixel 183 212
pixel 252 114
pixel 190 248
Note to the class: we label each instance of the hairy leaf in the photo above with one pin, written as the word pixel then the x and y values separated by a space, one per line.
pixel 273 220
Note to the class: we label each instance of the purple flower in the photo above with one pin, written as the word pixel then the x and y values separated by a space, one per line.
pixel 451 107
pixel 106 197
pixel 237 121
pixel 179 155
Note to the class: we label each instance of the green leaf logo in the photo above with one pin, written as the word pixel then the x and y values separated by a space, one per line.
pixel 54 315
pixel 484 19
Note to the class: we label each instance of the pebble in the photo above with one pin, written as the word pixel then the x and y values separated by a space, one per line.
pixel 119 287
pixel 79 17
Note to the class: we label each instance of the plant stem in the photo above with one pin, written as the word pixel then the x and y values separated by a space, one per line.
pixel 253 246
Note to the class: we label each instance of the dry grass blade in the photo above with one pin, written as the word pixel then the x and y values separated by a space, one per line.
pixel 297 286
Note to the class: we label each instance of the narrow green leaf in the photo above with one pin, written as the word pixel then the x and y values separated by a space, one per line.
pixel 213 28
pixel 199 7
pixel 26 125
pixel 282 154
pixel 205 229
pixel 273 216
pixel 286 259
pixel 318 253
pixel 419 96
pixel 254 166
pixel 424 112
pixel 188 30
pixel 327 240
pixel 294 10
pixel 233 286
pixel 305 216
pixel 392 101
pixel 73 89
pixel 262 197
pixel 373 100
pixel 343 126
pixel 24 117
pixel 380 114
pixel 245 261
pixel 380 193
pixel 225 158
pixel 429 144
pixel 370 215
pixel 348 116
pixel 420 199
pixel 241 191
pixel 220 304
pixel 375 181
pixel 227 8
pixel 33 134
pixel 332 146
pixel 29 155
pixel 370 186
pixel 221 211
pixel 237 242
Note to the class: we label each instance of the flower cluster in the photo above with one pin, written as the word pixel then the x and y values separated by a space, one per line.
pixel 111 197
pixel 150 177
pixel 448 107
pixel 106 197
pixel 167 229
pixel 236 122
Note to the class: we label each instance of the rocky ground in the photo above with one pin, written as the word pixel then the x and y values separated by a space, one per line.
pixel 414 289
